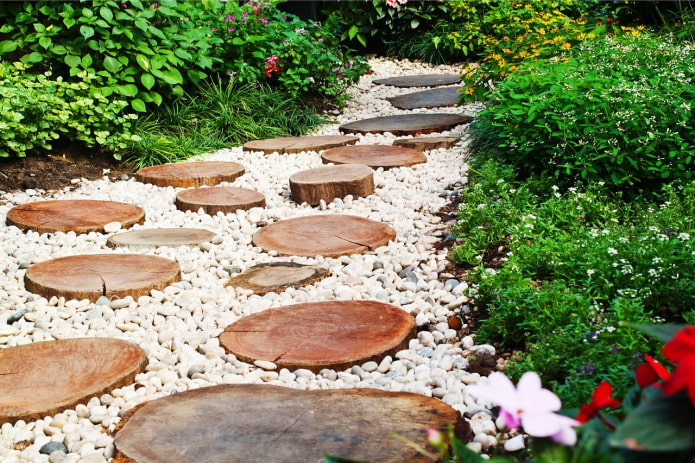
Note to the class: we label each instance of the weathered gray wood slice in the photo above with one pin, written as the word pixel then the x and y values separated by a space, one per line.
pixel 374 156
pixel 161 237
pixel 254 422
pixel 44 378
pixel 426 143
pixel 424 80
pixel 432 98
pixel 299 144
pixel 406 124
pixel 277 277
pixel 190 174
pixel 330 182
pixel 78 215
pixel 225 199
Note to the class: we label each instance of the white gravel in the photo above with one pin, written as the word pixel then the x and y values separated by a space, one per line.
pixel 178 327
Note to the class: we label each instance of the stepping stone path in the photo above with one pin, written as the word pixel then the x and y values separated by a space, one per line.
pixel 190 174
pixel 433 98
pixel 318 335
pixel 44 378
pixel 330 182
pixel 277 277
pixel 323 235
pixel 252 422
pixel 161 237
pixel 225 199
pixel 422 80
pixel 406 124
pixel 77 215
pixel 426 143
pixel 95 275
pixel 299 144
pixel 374 156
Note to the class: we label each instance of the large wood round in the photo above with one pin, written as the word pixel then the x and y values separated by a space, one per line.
pixel 277 277
pixel 374 156
pixel 255 422
pixel 323 235
pixel 78 215
pixel 44 378
pixel 190 174
pixel 317 335
pixel 225 199
pixel 94 275
pixel 299 144
pixel 432 98
pixel 161 237
pixel 423 80
pixel 406 124
pixel 330 182
pixel 426 143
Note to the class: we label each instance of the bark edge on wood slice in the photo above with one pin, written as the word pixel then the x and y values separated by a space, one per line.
pixel 225 199
pixel 406 124
pixel 190 174
pixel 426 143
pixel 161 237
pixel 285 145
pixel 375 156
pixel 277 277
pixel 330 182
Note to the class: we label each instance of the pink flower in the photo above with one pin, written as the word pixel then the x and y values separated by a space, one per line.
pixel 529 406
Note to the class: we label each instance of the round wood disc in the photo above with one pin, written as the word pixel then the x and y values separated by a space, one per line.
pixel 424 80
pixel 433 98
pixel 94 275
pixel 223 199
pixel 317 335
pixel 258 422
pixel 426 143
pixel 190 174
pixel 406 124
pixel 299 144
pixel 330 182
pixel 44 378
pixel 323 235
pixel 78 215
pixel 277 276
pixel 161 237
pixel 374 156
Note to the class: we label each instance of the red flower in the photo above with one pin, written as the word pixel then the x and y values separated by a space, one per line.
pixel 650 372
pixel 601 398
pixel 271 65
pixel 681 351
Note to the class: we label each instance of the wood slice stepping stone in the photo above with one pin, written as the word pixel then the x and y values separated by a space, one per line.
pixel 45 378
pixel 161 237
pixel 426 143
pixel 299 144
pixel 330 182
pixel 252 422
pixel 433 98
pixel 94 275
pixel 225 199
pixel 374 156
pixel 406 124
pixel 323 235
pixel 190 174
pixel 78 215
pixel 424 80
pixel 277 277
pixel 317 335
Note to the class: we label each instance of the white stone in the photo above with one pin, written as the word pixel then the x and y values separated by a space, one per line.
pixel 265 364
pixel 515 444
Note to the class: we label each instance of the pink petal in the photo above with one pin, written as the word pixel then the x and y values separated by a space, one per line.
pixel 549 424
pixel 533 398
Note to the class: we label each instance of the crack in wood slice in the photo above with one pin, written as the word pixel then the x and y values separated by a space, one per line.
pixel 219 199
pixel 277 276
pixel 374 156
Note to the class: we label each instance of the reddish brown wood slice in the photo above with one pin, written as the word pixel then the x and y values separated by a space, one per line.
pixel 324 235
pixel 225 199
pixel 433 98
pixel 299 144
pixel 94 275
pixel 190 174
pixel 161 237
pixel 422 80
pixel 374 156
pixel 330 182
pixel 78 215
pixel 277 277
pixel 426 143
pixel 406 124
pixel 44 378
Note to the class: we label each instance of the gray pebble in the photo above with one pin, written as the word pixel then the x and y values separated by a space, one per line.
pixel 51 447
pixel 425 352
pixel 408 273
pixel 16 316
pixel 451 284
pixel 103 300
pixel 377 265
pixel 232 269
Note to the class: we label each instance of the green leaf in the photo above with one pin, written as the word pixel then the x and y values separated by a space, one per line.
pixel 7 46
pixel 86 31
pixel 106 13
pixel 147 80
pixel 59 50
pixel 238 41
pixel 38 27
pixel 414 23
pixel 183 54
pixel 69 22
pixel 45 42
pixel 332 459
pixel 32 58
pixel 127 90
pixel 72 61
pixel 86 61
pixel 137 4
pixel 112 65
pixel 138 105
pixel 661 332
pixel 172 76
pixel 143 62
pixel 156 98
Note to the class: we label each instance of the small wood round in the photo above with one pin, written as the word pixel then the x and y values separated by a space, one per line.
pixel 323 235
pixel 94 275
pixel 433 98
pixel 45 378
pixel 424 80
pixel 406 124
pixel 426 143
pixel 299 144
pixel 78 215
pixel 259 422
pixel 225 199
pixel 374 156
pixel 161 237
pixel 190 174
pixel 317 335
pixel 277 277
pixel 330 182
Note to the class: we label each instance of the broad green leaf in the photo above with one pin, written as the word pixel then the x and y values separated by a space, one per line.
pixel 183 54
pixel 138 105
pixel 111 64
pixel 147 80
pixel 127 90
pixel 45 42
pixel 32 58
pixel 59 50
pixel 106 13
pixel 661 332
pixel 7 46
pixel 156 98
pixel 86 61
pixel 86 31
pixel 172 76
pixel 142 24
pixel 38 27
pixel 137 4
pixel 414 23
pixel 143 62
pixel 72 61
pixel 204 62
pixel 69 22
pixel 238 41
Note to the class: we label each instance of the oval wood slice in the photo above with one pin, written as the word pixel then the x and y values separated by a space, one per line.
pixel 426 143
pixel 190 174
pixel 45 378
pixel 277 277
pixel 94 275
pixel 255 422
pixel 323 235
pixel 423 80
pixel 78 215
pixel 161 237
pixel 406 124
pixel 330 182
pixel 374 156
pixel 433 98
pixel 299 144
pixel 225 199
